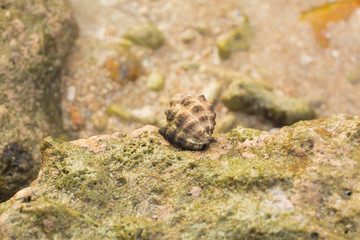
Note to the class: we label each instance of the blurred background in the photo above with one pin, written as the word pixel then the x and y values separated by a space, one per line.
pixel 263 64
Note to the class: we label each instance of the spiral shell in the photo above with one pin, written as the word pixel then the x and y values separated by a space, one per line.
pixel 190 122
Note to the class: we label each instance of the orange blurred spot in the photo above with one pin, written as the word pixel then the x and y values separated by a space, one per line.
pixel 77 120
pixel 112 66
pixel 332 12
pixel 110 32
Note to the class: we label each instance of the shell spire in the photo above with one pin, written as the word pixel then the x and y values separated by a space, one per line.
pixel 190 122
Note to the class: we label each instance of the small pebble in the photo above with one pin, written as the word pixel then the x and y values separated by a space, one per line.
pixel 187 66
pixel 125 43
pixel 71 94
pixel 212 91
pixel 306 59
pixel 123 66
pixel 353 77
pixel 274 130
pixel 188 36
pixel 156 81
pixel 77 119
pixel 100 121
pixel 316 101
pixel 118 110
pixel 335 53
pixel 202 28
pixel 145 115
pixel 146 35
pixel 226 123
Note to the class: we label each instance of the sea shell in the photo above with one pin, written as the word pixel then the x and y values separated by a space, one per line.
pixel 190 122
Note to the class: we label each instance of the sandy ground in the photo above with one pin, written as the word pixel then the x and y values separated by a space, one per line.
pixel 283 52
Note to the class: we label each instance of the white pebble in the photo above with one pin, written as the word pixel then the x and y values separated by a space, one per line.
pixel 306 59
pixel 335 53
pixel 71 93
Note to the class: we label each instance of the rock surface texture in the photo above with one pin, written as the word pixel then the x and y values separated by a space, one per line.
pixel 35 38
pixel 302 182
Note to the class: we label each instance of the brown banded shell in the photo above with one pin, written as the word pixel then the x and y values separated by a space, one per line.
pixel 190 122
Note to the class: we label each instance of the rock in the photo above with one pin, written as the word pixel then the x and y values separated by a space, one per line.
pixel 226 123
pixel 189 65
pixel 202 28
pixel 144 115
pixel 227 76
pixel 353 77
pixel 125 43
pixel 274 130
pixel 100 121
pixel 212 91
pixel 156 81
pixel 299 183
pixel 122 66
pixel 118 110
pixel 255 98
pixel 315 101
pixel 236 39
pixel 188 36
pixel 146 35
pixel 15 163
pixel 36 38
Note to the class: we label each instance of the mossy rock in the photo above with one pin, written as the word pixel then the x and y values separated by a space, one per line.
pixel 36 37
pixel 237 39
pixel 255 98
pixel 299 183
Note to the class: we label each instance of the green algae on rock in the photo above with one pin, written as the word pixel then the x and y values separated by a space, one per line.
pixel 236 39
pixel 254 98
pixel 146 35
pixel 300 182
pixel 36 37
